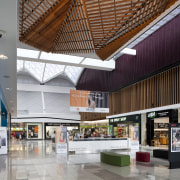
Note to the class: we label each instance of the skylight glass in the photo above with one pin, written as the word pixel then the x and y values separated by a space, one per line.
pixel 52 70
pixel 36 69
pixel 20 65
pixel 27 53
pixel 99 63
pixel 73 73
pixel 61 58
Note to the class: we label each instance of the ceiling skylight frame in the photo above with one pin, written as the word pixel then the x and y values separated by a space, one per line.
pixel 27 53
pixel 61 58
pixel 54 75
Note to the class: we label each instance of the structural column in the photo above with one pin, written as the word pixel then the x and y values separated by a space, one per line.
pixel 179 115
pixel 143 129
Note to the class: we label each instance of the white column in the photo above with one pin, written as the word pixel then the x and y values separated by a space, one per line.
pixel 43 130
pixel 178 115
pixel 43 103
pixel 143 129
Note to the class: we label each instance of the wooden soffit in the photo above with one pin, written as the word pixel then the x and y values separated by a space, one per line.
pixel 40 21
pixel 85 26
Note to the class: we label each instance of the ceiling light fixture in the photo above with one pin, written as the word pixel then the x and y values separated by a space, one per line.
pixel 2 56
pixel 8 89
pixel 129 51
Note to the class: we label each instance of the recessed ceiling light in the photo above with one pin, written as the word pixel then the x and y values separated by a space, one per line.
pixel 8 89
pixel 2 56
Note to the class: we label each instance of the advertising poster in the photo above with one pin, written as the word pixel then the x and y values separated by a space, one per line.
pixel 174 146
pixel 89 101
pixel 61 139
pixel 33 131
pixel 175 139
pixel 3 140
pixel 134 135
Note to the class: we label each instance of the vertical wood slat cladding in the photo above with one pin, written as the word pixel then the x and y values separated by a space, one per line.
pixel 160 90
pixel 157 91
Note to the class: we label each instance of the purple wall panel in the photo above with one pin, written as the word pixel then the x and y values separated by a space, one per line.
pixel 159 50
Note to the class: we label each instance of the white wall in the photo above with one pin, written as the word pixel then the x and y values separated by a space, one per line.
pixel 30 101
pixel 35 100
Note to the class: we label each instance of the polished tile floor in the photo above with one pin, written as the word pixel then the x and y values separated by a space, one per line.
pixel 37 160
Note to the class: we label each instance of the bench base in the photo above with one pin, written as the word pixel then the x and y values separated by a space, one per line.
pixel 143 156
pixel 115 159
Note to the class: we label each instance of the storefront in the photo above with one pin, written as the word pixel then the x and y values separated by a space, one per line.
pixel 34 130
pixel 49 128
pixel 18 128
pixel 98 128
pixel 27 130
pixel 158 126
pixel 126 127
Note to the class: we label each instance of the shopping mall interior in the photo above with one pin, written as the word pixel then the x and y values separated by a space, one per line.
pixel 89 89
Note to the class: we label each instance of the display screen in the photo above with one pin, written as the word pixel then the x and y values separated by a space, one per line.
pixel 175 139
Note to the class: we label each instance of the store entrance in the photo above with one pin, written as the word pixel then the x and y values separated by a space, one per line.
pixel 158 126
pixel 161 131
pixel 128 130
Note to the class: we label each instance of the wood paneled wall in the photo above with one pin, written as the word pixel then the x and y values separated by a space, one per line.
pixel 160 90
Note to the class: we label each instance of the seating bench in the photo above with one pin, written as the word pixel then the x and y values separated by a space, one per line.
pixel 143 156
pixel 115 159
pixel 160 153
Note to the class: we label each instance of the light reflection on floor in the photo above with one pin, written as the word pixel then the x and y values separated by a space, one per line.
pixel 37 160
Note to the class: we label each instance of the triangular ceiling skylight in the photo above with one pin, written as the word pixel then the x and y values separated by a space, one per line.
pixel 44 72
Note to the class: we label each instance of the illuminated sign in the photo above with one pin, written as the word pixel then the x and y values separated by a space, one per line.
pixel 152 115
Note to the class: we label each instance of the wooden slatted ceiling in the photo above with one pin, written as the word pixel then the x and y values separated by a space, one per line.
pixel 40 21
pixel 74 34
pixel 85 26
pixel 111 20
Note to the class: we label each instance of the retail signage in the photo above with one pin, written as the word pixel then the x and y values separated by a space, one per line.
pixel 152 115
pixel 163 114
pixel 120 119
pixel 161 125
pixel 174 145
pixel 3 140
pixel 61 139
pixel 89 101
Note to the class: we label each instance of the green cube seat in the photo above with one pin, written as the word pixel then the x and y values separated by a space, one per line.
pixel 115 159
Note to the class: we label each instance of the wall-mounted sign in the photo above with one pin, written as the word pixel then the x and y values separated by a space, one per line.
pixel 122 119
pixel 89 101
pixel 152 115
pixel 163 114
